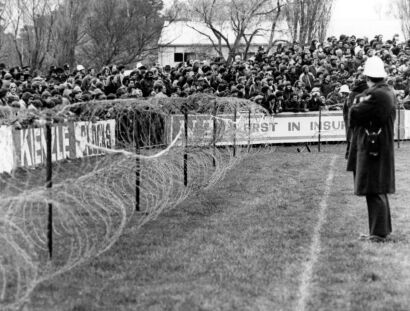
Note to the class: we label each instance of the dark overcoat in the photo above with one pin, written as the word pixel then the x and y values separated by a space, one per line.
pixel 359 88
pixel 375 110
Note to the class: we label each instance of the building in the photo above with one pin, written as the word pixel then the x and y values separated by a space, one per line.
pixel 182 41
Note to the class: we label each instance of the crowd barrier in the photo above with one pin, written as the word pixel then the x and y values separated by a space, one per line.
pixel 27 147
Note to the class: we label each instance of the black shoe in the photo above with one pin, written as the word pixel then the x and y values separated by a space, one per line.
pixel 372 238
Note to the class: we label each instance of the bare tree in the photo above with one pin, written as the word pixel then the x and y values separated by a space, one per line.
pixel 276 16
pixel 69 30
pixel 401 9
pixel 324 21
pixel 3 26
pixel 308 19
pixel 230 21
pixel 122 31
pixel 32 23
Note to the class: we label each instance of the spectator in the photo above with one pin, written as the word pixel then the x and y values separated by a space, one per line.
pixel 290 79
pixel 307 78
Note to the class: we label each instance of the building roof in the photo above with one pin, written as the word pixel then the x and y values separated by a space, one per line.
pixel 183 33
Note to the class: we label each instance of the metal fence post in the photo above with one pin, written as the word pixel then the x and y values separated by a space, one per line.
pixel 49 185
pixel 235 111
pixel 186 147
pixel 214 135
pixel 320 128
pixel 398 126
pixel 137 166
pixel 249 125
pixel 149 130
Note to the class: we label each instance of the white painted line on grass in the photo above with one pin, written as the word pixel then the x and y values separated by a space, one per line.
pixel 315 247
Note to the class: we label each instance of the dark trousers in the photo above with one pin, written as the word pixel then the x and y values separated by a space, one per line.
pixel 379 214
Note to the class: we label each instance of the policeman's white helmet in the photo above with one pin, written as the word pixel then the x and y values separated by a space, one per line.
pixel 344 89
pixel 374 68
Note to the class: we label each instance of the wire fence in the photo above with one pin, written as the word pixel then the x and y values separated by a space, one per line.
pixel 81 172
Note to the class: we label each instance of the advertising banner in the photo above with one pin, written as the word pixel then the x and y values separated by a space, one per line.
pixel 260 129
pixel 27 147
pixel 6 149
pixel 30 145
pixel 405 124
pixel 101 134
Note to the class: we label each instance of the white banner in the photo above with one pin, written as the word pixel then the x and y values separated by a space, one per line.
pixel 27 147
pixel 405 124
pixel 101 134
pixel 260 129
pixel 293 127
pixel 6 149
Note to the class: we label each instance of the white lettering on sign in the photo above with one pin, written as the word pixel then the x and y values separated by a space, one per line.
pixel 258 128
pixel 294 126
pixel 328 126
pixel 25 148
pixel 263 127
pixel 101 134
pixel 37 147
pixel 33 146
pixel 208 128
pixel 66 143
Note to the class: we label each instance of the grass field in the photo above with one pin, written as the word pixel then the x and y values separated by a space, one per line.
pixel 278 233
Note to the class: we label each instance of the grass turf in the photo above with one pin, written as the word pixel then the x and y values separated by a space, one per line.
pixel 243 245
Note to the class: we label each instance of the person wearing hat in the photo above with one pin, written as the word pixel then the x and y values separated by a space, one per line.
pixel 371 155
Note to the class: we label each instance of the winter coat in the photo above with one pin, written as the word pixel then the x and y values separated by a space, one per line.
pixel 326 88
pixel 308 79
pixel 360 87
pixel 376 110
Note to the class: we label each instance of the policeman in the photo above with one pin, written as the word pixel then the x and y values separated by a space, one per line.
pixel 371 155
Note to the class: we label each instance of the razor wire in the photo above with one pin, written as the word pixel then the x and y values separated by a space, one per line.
pixel 93 198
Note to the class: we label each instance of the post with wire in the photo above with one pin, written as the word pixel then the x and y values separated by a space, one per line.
pixel 49 185
pixel 320 129
pixel 214 135
pixel 235 112
pixel 186 145
pixel 137 165
pixel 398 125
pixel 250 131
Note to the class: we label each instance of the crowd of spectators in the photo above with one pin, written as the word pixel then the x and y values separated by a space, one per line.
pixel 289 78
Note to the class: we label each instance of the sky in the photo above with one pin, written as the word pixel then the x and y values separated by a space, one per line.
pixel 364 18
pixel 361 18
